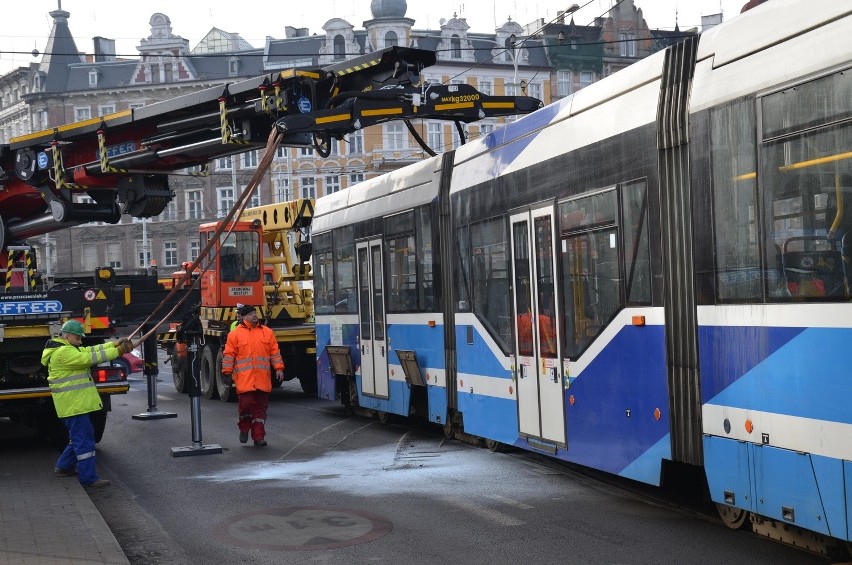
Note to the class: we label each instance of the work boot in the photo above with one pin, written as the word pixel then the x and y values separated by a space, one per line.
pixel 99 483
pixel 243 437
pixel 260 442
pixel 65 472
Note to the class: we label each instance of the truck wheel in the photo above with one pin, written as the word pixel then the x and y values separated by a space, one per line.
pixel 50 428
pixel 224 385
pixel 179 375
pixel 99 420
pixel 309 384
pixel 208 373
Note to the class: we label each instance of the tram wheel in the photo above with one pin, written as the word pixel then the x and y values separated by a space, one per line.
pixel 382 416
pixel 494 446
pixel 734 518
pixel 449 430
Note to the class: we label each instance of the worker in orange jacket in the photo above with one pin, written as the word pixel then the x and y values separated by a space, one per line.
pixel 249 352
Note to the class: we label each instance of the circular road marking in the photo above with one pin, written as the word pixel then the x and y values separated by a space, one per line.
pixel 303 528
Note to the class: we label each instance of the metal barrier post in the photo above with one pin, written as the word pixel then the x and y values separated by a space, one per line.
pixel 151 370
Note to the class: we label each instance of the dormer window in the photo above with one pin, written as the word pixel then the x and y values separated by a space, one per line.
pixel 391 39
pixel 339 47
pixel 93 78
pixel 455 47
pixel 233 66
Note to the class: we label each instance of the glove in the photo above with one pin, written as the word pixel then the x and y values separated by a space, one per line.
pixel 124 346
pixel 279 375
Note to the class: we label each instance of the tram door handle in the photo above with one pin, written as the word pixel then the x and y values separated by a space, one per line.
pixel 522 372
pixel 553 376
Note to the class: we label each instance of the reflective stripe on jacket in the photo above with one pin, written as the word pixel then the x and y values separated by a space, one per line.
pixel 69 378
pixel 248 354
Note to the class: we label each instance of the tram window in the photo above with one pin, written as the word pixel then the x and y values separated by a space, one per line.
pixel 462 281
pixel 806 176
pixel 591 280
pixel 637 252
pixel 345 298
pixel 816 103
pixel 401 262
pixel 738 272
pixel 323 274
pixel 425 270
pixel 402 274
pixel 489 279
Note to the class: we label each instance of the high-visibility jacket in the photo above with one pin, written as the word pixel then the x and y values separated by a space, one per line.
pixel 249 352
pixel 69 378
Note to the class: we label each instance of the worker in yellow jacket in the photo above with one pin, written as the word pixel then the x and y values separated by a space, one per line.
pixel 75 396
pixel 249 352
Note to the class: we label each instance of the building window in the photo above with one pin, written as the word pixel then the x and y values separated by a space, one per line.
pixel 170 254
pixel 254 201
pixel 233 67
pixel 306 151
pixel 170 212
pixel 194 250
pixel 113 255
pixel 563 83
pixel 143 254
pixel 308 185
pixel 89 258
pixel 281 153
pixel 628 44
pixel 485 129
pixel 355 178
pixel 355 142
pixel 339 47
pixel 250 159
pixel 81 114
pixel 435 136
pixel 455 47
pixel 534 90
pixel 105 110
pixel 224 200
pixel 332 184
pixel 224 163
pixel 282 189
pixel 486 87
pixel 93 78
pixel 586 78
pixel 395 137
pixel 194 205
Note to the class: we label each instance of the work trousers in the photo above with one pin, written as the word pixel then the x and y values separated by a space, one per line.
pixel 252 408
pixel 80 451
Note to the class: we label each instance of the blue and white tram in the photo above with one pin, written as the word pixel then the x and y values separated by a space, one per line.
pixel 650 276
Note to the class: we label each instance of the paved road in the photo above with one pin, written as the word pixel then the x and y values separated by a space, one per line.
pixel 331 488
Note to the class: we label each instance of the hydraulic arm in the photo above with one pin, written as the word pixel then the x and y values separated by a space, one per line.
pixel 122 160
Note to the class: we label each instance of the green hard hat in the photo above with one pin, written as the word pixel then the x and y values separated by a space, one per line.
pixel 73 327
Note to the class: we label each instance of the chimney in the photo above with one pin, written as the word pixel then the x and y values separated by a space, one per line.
pixel 104 49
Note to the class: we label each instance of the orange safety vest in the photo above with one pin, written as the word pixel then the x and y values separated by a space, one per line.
pixel 249 352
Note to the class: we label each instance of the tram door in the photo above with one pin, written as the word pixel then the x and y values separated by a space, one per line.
pixel 371 316
pixel 541 409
